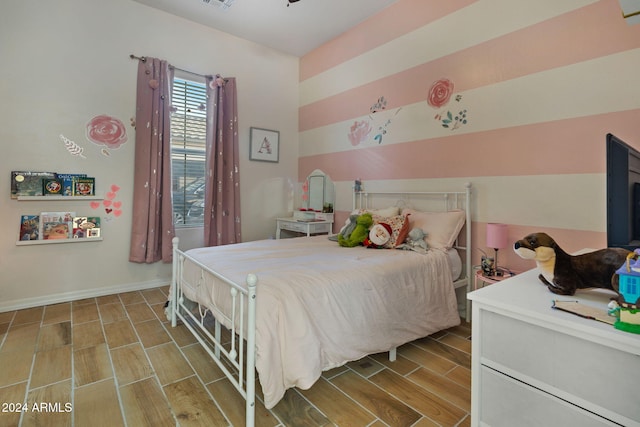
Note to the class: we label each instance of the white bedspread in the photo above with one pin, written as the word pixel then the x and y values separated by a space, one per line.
pixel 320 305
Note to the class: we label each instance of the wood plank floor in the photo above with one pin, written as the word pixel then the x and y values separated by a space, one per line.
pixel 116 361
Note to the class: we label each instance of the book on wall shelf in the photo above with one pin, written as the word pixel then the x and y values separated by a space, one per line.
pixel 28 183
pixel 68 180
pixel 29 227
pixel 84 186
pixel 86 227
pixel 33 184
pixel 52 187
pixel 56 225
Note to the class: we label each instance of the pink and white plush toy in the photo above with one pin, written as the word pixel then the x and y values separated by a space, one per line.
pixel 379 235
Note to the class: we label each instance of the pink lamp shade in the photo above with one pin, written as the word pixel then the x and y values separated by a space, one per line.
pixel 497 236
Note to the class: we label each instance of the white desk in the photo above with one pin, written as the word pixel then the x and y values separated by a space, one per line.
pixel 306 227
pixel 533 365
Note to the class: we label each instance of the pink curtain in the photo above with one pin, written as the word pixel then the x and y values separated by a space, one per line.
pixel 222 188
pixel 152 229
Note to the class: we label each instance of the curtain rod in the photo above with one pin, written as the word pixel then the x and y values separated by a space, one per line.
pixel 144 59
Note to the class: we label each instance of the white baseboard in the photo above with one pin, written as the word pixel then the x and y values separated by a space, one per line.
pixel 77 295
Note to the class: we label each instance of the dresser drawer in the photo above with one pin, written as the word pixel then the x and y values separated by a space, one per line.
pixel 507 403
pixel 301 227
pixel 319 228
pixel 581 371
pixel 293 226
pixel 311 216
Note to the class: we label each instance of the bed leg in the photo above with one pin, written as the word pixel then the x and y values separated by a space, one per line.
pixel 250 409
pixel 392 354
pixel 173 302
pixel 216 351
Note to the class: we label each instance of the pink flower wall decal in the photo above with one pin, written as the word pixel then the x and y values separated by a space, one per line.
pixel 305 190
pixel 106 130
pixel 359 132
pixel 440 93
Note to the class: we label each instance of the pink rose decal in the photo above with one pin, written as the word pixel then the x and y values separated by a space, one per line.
pixel 359 132
pixel 440 93
pixel 106 130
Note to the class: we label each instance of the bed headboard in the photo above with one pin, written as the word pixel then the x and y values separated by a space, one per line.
pixel 430 201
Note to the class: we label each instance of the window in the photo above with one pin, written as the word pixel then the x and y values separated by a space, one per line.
pixel 188 130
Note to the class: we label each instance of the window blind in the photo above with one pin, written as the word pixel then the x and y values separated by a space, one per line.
pixel 188 133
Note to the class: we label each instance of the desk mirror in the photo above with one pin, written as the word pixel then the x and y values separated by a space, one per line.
pixel 321 191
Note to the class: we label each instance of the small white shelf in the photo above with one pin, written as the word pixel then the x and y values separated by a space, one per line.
pixel 57 241
pixel 65 198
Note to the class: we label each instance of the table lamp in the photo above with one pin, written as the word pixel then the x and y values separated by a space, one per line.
pixel 497 239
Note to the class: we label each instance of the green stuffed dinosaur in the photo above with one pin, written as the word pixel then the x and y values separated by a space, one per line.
pixel 363 223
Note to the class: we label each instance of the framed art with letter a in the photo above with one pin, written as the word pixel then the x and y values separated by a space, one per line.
pixel 264 145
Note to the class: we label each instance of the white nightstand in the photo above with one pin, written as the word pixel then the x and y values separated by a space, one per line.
pixel 305 227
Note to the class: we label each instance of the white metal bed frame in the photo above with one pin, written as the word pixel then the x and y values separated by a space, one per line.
pixel 451 200
pixel 240 367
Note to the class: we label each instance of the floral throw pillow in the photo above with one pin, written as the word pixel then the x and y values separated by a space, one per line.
pixel 399 228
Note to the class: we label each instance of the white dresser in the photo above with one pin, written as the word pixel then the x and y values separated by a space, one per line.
pixel 533 365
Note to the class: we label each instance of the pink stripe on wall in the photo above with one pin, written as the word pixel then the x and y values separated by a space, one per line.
pixel 571 146
pixel 591 32
pixel 400 18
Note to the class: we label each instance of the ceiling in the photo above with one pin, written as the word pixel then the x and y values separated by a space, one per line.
pixel 295 29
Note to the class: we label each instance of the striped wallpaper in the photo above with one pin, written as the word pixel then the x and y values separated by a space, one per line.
pixel 515 97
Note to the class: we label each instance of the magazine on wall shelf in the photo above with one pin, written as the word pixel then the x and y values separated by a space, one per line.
pixel 86 227
pixel 29 227
pixel 84 186
pixel 28 183
pixel 52 187
pixel 56 225
pixel 67 182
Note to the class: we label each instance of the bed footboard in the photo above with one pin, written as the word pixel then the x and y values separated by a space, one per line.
pixel 233 358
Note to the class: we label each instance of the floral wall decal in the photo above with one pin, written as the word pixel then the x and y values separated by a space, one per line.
pixel 439 95
pixel 305 190
pixel 106 130
pixel 360 130
pixel 453 122
pixel 379 106
pixel 382 129
pixel 73 148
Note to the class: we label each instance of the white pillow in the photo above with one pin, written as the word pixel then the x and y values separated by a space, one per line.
pixel 385 213
pixel 441 228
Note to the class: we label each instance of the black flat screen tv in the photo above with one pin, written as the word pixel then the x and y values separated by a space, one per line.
pixel 623 194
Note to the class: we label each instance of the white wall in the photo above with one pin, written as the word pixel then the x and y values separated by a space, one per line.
pixel 66 61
